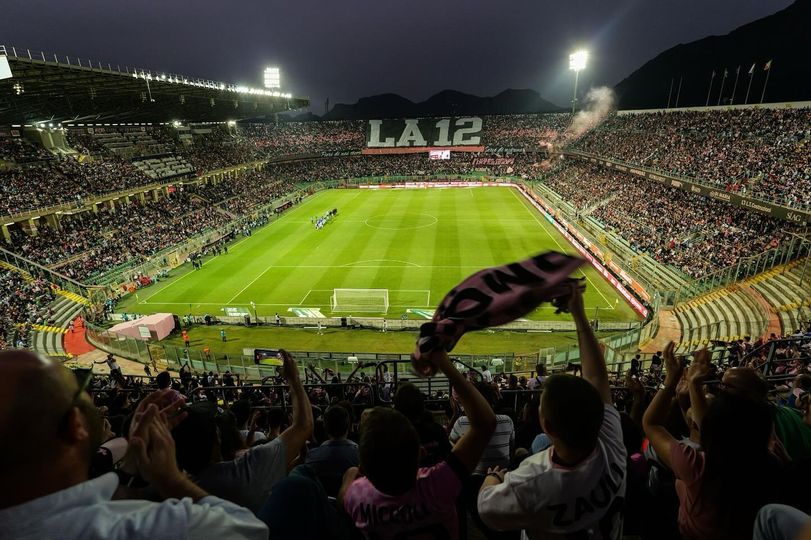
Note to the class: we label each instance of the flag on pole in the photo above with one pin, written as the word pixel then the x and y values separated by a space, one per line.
pixel 752 69
pixel 725 73
pixel 713 74
pixel 738 70
pixel 767 66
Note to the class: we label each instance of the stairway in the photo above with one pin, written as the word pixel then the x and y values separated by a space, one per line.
pixel 47 339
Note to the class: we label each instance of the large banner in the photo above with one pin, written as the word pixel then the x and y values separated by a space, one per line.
pixel 424 132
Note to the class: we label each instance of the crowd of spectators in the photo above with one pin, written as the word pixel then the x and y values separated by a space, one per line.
pixel 64 181
pixel 685 448
pixel 245 193
pixel 88 243
pixel 19 151
pixel 295 138
pixel 758 152
pixel 694 233
pixel 23 302
pixel 531 132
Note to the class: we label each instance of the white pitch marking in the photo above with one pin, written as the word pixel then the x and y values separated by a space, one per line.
pixel 249 284
pixel 533 213
pixel 352 264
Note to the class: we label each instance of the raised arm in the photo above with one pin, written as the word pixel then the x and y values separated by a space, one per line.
pixel 699 371
pixel 469 449
pixel 655 417
pixel 592 362
pixel 357 367
pixel 296 436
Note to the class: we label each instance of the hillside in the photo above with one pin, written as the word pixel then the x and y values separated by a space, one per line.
pixel 781 37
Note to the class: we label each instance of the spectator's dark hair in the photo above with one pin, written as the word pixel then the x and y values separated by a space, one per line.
pixel 389 451
pixel 487 390
pixel 163 380
pixel 195 438
pixel 336 422
pixel 540 370
pixel 230 438
pixel 242 411
pixel 572 410
pixel 410 401
pixel 737 479
pixel 276 418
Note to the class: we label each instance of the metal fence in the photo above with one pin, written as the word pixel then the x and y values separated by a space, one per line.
pixel 794 248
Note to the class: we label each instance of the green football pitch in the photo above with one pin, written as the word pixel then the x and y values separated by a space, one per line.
pixel 417 243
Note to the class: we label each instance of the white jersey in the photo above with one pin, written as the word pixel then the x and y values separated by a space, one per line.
pixel 548 500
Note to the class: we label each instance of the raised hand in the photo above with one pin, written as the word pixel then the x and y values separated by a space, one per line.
pixel 289 366
pixel 673 365
pixel 701 368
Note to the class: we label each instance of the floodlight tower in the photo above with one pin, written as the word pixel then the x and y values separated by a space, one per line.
pixel 577 61
pixel 273 79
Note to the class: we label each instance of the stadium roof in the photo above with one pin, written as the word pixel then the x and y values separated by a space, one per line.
pixel 37 88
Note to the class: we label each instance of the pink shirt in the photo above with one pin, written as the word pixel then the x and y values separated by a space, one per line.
pixel 695 520
pixel 427 511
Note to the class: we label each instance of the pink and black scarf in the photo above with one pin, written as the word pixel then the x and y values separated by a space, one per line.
pixel 492 297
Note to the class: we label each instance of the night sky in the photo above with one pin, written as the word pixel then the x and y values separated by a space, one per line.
pixel 350 49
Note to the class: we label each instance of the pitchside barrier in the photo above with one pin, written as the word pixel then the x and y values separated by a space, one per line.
pixel 211 359
pixel 393 324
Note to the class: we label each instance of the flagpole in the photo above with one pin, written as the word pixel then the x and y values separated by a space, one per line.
pixel 670 93
pixel 678 93
pixel 707 104
pixel 763 94
pixel 721 92
pixel 751 76
pixel 735 86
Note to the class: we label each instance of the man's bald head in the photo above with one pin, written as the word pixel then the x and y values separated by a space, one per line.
pixel 746 382
pixel 36 394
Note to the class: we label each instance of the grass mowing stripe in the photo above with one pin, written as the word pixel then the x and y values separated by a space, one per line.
pixel 397 251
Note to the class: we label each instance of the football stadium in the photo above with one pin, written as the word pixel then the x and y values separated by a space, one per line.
pixel 228 311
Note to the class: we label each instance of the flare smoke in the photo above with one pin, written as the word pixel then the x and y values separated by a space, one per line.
pixel 599 103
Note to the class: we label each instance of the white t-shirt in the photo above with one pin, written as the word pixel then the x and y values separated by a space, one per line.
pixel 497 452
pixel 487 376
pixel 548 500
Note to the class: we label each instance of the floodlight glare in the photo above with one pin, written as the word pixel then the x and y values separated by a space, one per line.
pixel 577 60
pixel 272 78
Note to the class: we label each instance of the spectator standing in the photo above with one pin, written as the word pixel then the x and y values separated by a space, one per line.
pixel 428 494
pixel 545 495
pixel 337 454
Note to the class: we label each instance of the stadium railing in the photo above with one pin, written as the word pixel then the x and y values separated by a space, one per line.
pixel 63 282
pixel 794 248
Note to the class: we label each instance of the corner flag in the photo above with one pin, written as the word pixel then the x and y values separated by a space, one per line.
pixel 767 66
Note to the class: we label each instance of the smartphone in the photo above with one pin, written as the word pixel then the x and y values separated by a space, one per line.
pixel 267 357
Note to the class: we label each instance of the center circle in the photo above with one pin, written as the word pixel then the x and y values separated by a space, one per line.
pixel 401 222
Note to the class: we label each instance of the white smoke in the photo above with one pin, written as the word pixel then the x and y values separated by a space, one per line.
pixel 598 105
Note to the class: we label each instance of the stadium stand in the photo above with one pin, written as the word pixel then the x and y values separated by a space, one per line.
pixel 729 314
pixel 692 233
pixel 761 152
pixel 788 293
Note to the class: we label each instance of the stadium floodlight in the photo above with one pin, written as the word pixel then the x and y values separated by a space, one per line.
pixel 577 62
pixel 272 78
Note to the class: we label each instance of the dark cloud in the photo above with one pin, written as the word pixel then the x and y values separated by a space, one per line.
pixel 349 49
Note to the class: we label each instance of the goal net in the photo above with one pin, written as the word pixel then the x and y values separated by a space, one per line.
pixel 360 300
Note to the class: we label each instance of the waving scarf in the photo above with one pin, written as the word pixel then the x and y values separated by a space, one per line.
pixel 492 297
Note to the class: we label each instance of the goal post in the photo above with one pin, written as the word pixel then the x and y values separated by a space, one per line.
pixel 360 300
